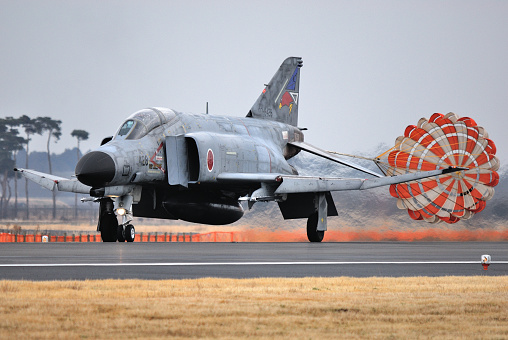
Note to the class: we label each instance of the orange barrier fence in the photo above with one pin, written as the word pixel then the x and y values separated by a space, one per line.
pixel 141 237
pixel 263 235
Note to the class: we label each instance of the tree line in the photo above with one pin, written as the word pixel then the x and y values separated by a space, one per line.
pixel 11 142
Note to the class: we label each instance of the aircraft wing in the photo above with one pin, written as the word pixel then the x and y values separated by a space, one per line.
pixel 296 184
pixel 322 153
pixel 52 182
pixel 290 184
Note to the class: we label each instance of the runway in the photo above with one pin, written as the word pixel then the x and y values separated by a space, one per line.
pixel 157 261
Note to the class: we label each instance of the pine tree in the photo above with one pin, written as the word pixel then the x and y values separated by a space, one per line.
pixel 31 127
pixel 80 135
pixel 53 128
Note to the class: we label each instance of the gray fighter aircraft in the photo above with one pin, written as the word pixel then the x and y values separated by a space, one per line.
pixel 198 167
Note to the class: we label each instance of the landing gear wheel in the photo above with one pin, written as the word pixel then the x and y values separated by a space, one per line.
pixel 130 233
pixel 120 233
pixel 313 234
pixel 109 226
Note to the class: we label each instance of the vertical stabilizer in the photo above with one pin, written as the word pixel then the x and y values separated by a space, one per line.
pixel 280 98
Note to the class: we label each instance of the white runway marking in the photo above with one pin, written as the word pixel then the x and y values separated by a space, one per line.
pixel 188 264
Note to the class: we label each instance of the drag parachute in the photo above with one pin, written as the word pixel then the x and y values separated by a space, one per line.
pixel 437 143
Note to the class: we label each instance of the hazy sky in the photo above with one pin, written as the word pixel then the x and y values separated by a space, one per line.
pixel 370 67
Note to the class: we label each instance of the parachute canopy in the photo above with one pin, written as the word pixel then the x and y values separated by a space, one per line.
pixel 437 143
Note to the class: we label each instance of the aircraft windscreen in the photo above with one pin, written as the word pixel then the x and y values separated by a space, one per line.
pixel 126 128
pixel 142 122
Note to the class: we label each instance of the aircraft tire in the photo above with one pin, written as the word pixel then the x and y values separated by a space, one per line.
pixel 120 234
pixel 109 226
pixel 313 234
pixel 130 233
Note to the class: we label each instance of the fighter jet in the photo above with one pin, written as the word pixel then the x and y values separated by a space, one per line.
pixel 199 168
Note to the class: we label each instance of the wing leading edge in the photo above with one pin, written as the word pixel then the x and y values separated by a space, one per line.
pixel 52 182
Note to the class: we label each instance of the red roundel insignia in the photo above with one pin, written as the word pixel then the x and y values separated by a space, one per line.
pixel 209 159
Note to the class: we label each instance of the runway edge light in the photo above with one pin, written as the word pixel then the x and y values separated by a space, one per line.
pixel 486 261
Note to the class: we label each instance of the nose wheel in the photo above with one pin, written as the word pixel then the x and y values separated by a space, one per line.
pixel 126 233
pixel 130 233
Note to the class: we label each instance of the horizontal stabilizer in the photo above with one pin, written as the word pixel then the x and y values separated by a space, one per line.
pixel 52 182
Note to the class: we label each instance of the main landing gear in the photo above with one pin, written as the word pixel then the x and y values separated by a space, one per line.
pixel 108 225
pixel 313 234
pixel 317 222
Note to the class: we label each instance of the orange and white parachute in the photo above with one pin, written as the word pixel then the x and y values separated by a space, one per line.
pixel 437 143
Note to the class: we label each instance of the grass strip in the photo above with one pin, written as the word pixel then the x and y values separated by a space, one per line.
pixel 310 308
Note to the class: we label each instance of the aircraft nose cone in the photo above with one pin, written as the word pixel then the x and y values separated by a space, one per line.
pixel 95 169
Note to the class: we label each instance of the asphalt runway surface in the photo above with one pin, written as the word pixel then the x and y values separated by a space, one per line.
pixel 158 261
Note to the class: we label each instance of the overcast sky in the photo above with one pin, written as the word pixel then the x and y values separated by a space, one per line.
pixel 370 67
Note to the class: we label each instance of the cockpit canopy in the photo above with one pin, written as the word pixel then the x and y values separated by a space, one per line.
pixel 140 123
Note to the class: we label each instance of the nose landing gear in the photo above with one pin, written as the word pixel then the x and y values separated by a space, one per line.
pixel 111 230
pixel 126 232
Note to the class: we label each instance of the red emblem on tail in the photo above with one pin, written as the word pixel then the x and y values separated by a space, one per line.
pixel 287 100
